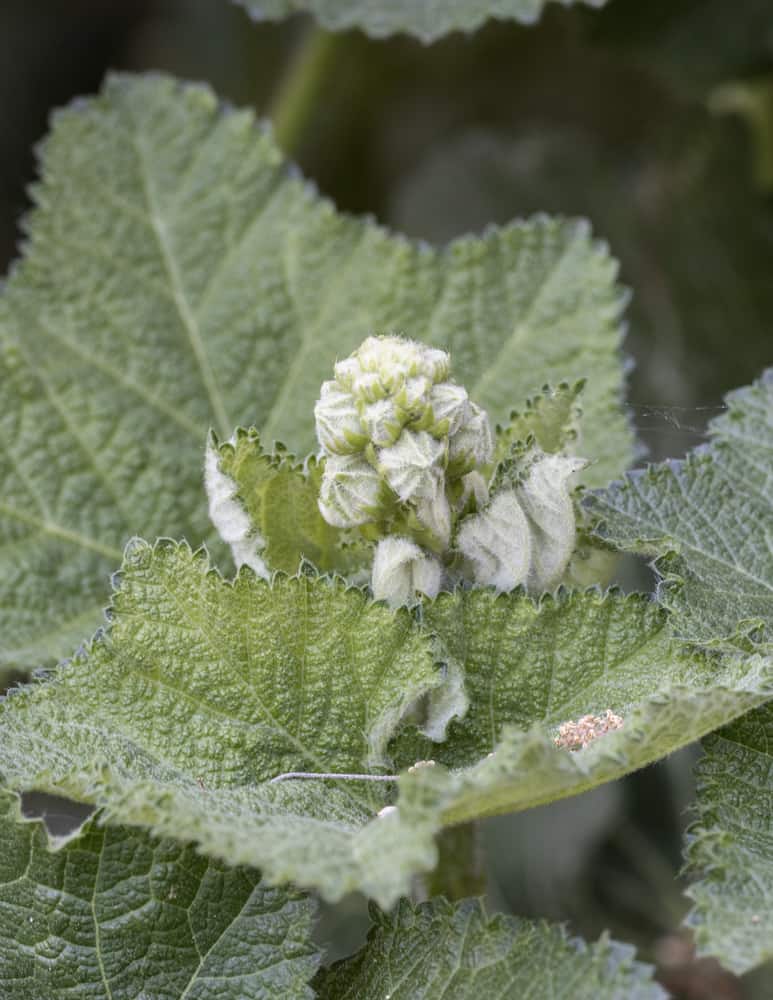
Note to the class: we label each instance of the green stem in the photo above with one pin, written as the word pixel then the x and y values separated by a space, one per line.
pixel 298 93
pixel 459 871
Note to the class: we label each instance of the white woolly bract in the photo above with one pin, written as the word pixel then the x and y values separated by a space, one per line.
pixel 474 485
pixel 401 569
pixel 546 500
pixel 497 542
pixel 230 518
pixel 339 430
pixel 450 402
pixel 473 443
pixel 349 492
pixel 412 465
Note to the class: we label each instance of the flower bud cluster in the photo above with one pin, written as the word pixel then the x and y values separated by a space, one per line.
pixel 399 437
pixel 408 459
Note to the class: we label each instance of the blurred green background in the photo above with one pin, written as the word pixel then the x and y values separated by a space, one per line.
pixel 653 118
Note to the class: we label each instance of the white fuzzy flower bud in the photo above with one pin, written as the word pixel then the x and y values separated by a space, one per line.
pixel 450 408
pixel 546 501
pixel 381 422
pixel 413 466
pixel 401 570
pixel 350 493
pixel 473 444
pixel 392 408
pixel 473 485
pixel 497 543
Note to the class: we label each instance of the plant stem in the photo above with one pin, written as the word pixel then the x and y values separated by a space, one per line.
pixel 459 871
pixel 298 93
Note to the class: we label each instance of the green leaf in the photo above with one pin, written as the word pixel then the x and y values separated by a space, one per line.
pixel 178 276
pixel 531 667
pixel 280 497
pixel 551 419
pixel 230 682
pixel 709 520
pixel 113 913
pixel 427 20
pixel 440 951
pixel 200 690
pixel 731 845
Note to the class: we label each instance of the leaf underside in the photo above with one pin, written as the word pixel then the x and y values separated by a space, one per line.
pixel 709 520
pixel 200 691
pixel 114 914
pixel 178 276
pixel 427 20
pixel 441 951
pixel 731 845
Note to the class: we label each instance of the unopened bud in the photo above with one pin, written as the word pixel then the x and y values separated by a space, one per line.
pixel 497 542
pixel 401 570
pixel 546 500
pixel 391 415
pixel 473 444
pixel 351 491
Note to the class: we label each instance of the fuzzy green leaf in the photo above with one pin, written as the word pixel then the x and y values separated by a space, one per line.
pixel 709 520
pixel 442 951
pixel 230 683
pixel 201 690
pixel 178 276
pixel 551 419
pixel 531 667
pixel 426 19
pixel 731 845
pixel 113 914
pixel 280 496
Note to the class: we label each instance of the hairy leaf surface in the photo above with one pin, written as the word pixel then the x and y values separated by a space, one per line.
pixel 709 519
pixel 230 683
pixel 200 691
pixel 551 419
pixel 280 496
pixel 731 845
pixel 114 914
pixel 178 276
pixel 531 667
pixel 440 951
pixel 426 19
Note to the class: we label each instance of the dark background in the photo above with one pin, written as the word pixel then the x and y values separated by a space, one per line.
pixel 655 120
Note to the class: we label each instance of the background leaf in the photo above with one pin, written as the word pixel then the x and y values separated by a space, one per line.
pixel 439 951
pixel 114 914
pixel 730 845
pixel 426 20
pixel 178 277
pixel 709 519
